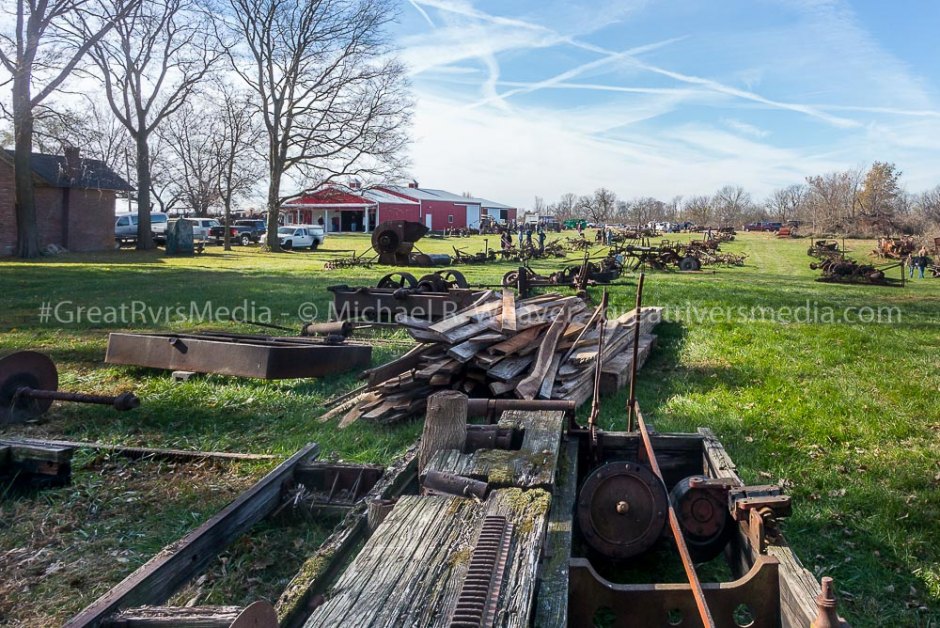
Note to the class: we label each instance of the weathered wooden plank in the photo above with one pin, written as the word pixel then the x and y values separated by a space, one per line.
pixel 529 386
pixel 159 577
pixel 510 367
pixel 399 577
pixel 548 382
pixel 517 342
pixel 298 598
pixel 533 465
pixel 398 366
pixel 508 313
pixel 552 603
pixel 190 617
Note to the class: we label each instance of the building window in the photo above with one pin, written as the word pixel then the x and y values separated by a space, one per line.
pixel 450 218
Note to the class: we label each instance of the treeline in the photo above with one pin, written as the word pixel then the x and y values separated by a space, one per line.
pixel 199 102
pixel 851 202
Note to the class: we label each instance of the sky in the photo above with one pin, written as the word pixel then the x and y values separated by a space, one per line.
pixel 520 98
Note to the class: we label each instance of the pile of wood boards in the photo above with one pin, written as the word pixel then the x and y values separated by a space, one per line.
pixel 543 347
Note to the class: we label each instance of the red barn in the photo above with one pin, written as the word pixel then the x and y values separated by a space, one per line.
pixel 342 208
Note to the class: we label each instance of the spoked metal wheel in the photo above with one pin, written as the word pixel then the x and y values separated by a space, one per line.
pixel 397 280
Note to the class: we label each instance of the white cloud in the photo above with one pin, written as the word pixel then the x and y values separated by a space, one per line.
pixel 745 128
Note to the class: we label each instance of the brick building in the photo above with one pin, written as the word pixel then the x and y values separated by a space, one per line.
pixel 75 199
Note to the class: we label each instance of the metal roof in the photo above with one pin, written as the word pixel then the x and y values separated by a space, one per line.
pixel 381 196
pixel 493 204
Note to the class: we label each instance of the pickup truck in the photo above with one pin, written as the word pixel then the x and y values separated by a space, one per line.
pixel 243 232
pixel 301 236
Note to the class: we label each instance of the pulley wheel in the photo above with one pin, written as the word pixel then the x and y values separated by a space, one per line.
pixel 622 509
pixel 704 518
pixel 454 278
pixel 25 369
pixel 397 280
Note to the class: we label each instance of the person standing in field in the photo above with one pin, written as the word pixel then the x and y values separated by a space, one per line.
pixel 922 260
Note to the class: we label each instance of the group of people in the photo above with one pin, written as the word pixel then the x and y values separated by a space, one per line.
pixel 919 260
pixel 525 233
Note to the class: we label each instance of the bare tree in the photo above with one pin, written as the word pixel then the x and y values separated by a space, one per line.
pixel 730 203
pixel 601 206
pixel 787 203
pixel 189 136
pixel 697 209
pixel 332 101
pixel 235 152
pixel 150 64
pixel 40 47
pixel 832 199
pixel 564 208
pixel 538 205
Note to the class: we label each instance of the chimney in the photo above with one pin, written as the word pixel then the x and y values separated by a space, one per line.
pixel 414 184
pixel 73 163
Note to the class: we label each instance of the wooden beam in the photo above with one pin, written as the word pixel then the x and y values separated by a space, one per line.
pixel 138 452
pixel 156 580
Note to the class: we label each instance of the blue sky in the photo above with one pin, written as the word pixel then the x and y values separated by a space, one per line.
pixel 524 98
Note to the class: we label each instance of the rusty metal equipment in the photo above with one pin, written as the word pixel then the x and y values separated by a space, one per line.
pixel 239 355
pixel 429 297
pixel 29 384
pixel 577 276
pixel 844 270
pixel 476 604
pixel 621 509
pixel 394 242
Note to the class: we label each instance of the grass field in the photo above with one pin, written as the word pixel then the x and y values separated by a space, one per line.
pixel 844 413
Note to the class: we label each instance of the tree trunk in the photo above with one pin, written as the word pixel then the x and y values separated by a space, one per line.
pixel 144 235
pixel 227 234
pixel 274 192
pixel 27 230
pixel 445 426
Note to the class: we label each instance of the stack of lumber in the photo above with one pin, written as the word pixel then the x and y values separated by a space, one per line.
pixel 543 347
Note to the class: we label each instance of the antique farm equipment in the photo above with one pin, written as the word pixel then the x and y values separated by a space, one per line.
pixel 577 276
pixel 895 248
pixel 824 249
pixel 394 242
pixel 839 269
pixel 29 384
pixel 536 521
pixel 430 297
pixel 239 355
pixel 533 520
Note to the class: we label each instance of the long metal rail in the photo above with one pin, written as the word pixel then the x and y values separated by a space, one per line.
pixel 707 620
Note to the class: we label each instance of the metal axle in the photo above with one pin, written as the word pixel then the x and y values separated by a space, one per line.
pixel 124 401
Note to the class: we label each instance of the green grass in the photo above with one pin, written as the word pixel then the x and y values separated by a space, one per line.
pixel 844 414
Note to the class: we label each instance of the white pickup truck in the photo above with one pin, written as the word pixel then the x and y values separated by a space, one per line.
pixel 301 236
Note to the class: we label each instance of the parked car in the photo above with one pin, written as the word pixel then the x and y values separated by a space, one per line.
pixel 242 231
pixel 125 226
pixel 301 236
pixel 201 227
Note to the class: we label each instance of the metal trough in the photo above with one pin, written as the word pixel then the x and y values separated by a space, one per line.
pixel 264 357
